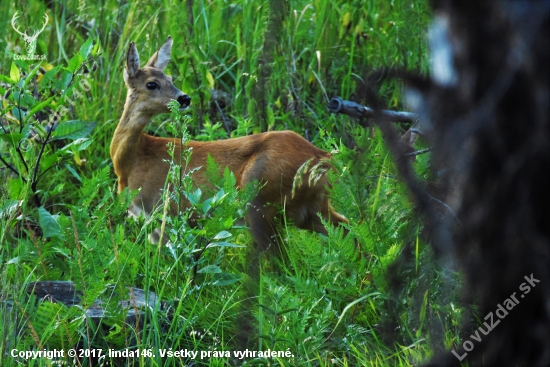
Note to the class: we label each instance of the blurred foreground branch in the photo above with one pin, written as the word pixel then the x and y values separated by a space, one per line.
pixel 339 105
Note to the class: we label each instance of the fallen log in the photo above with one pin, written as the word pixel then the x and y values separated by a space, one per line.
pixel 65 292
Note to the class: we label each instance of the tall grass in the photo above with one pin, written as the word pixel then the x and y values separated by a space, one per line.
pixel 249 66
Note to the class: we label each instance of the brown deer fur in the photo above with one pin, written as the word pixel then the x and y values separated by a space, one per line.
pixel 271 158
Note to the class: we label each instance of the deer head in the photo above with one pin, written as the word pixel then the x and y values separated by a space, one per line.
pixel 149 89
pixel 30 40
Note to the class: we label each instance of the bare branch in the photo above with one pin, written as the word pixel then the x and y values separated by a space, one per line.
pixel 11 168
pixel 418 152
pixel 339 105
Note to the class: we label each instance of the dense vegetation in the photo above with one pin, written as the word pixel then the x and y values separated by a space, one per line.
pixel 249 66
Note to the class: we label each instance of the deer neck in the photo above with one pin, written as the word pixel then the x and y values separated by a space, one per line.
pixel 127 137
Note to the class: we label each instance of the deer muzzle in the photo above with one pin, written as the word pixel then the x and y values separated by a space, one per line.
pixel 184 101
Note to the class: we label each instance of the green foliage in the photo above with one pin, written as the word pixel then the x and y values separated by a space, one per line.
pixel 32 119
pixel 248 67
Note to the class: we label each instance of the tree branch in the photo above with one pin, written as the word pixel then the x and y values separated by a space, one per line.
pixel 11 168
pixel 34 181
pixel 339 105
pixel 418 152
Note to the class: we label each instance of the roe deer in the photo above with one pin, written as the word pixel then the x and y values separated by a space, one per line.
pixel 271 158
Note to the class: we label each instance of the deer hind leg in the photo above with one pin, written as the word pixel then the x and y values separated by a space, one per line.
pixel 261 220
pixel 312 220
pixel 260 216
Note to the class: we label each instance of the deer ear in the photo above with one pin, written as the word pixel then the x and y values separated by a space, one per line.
pixel 132 61
pixel 161 58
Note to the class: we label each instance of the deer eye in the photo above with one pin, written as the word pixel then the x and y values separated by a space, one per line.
pixel 152 86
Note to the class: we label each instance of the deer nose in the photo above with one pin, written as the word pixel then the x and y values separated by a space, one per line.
pixel 184 100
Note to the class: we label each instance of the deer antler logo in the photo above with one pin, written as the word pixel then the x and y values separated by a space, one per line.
pixel 31 40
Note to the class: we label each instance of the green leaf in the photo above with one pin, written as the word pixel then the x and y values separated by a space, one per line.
pixel 31 75
pixel 221 235
pixel 75 62
pixel 26 131
pixel 74 129
pixel 10 206
pixel 51 159
pixel 15 188
pixel 228 222
pixel 229 180
pixel 212 172
pixel 85 49
pixel 350 305
pixel 15 75
pixel 50 75
pixel 78 145
pixel 75 174
pixel 193 197
pixel 207 205
pixel 7 80
pixel 49 223
pixel 12 139
pixel 96 49
pixel 18 113
pixel 222 244
pixel 40 106
pixel 219 196
pixel 74 146
pixel 22 64
pixel 15 260
pixel 66 77
pixel 223 279
pixel 210 269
